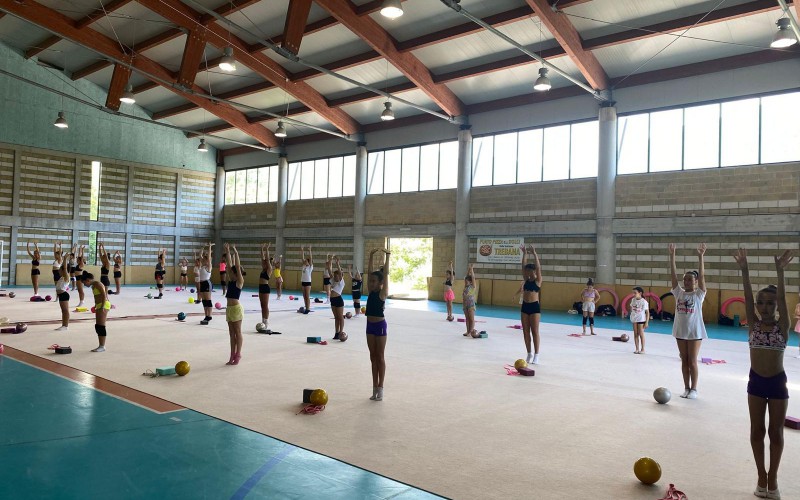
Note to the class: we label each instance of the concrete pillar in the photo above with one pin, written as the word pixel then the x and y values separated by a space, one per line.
pixel 283 195
pixel 462 199
pixel 219 204
pixel 606 204
pixel 360 206
pixel 76 201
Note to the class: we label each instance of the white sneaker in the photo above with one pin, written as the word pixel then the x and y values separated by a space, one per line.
pixel 692 394
pixel 685 393
pixel 529 358
pixel 379 397
pixel 760 492
pixel 535 359
pixel 61 329
pixel 99 349
pixel 80 304
pixel 774 494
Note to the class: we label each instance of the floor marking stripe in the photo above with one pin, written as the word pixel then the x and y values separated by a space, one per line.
pixel 261 472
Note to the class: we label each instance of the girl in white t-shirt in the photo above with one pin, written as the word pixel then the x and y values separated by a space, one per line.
pixel 305 277
pixel 688 327
pixel 640 317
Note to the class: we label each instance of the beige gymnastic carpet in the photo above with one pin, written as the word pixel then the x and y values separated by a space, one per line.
pixel 453 421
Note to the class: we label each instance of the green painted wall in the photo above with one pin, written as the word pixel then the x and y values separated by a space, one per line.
pixel 27 114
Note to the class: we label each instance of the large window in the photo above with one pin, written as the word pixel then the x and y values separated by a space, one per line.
pixel 322 178
pixel 414 168
pixel 252 185
pixel 738 132
pixel 552 153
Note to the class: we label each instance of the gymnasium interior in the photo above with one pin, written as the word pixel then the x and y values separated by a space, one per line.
pixel 598 132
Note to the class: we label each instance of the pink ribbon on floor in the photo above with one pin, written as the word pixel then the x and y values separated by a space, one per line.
pixel 311 409
pixel 510 370
pixel 574 335
pixel 673 494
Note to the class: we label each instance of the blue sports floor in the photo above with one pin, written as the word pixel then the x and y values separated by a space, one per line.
pixel 63 440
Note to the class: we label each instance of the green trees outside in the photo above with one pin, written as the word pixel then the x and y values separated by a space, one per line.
pixel 412 260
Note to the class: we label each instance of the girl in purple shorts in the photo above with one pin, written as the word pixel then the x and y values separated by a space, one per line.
pixel 766 390
pixel 378 286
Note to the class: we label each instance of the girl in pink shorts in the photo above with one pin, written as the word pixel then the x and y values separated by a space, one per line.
pixel 449 295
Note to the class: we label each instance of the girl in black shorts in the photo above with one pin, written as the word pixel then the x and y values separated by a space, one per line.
pixel 355 289
pixel 36 257
pixel 531 310
pixel 117 270
pixel 80 262
pixel 58 259
pixel 160 272
pixel 305 277
pixel 105 265
pixel 62 285
pixel 263 284
pixel 337 302
pixel 326 278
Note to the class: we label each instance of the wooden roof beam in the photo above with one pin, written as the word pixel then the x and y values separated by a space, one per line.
pixel 119 80
pixel 270 70
pixel 568 37
pixel 59 24
pixel 296 18
pixel 372 33
pixel 192 55
pixel 86 21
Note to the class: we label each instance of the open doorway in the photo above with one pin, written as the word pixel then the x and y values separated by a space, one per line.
pixel 412 264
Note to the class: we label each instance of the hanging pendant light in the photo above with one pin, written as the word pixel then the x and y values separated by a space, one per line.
pixel 61 122
pixel 227 62
pixel 391 9
pixel 127 96
pixel 202 147
pixel 784 37
pixel 387 114
pixel 543 82
pixel 281 130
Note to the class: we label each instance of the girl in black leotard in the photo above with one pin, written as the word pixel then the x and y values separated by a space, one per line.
pixel 160 272
pixel 104 267
pixel 531 310
pixel 378 285
pixel 117 270
pixel 263 284
pixel 36 257
pixel 80 261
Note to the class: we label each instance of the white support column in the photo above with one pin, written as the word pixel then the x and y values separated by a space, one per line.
pixel 76 201
pixel 176 244
pixel 360 206
pixel 462 199
pixel 283 195
pixel 606 203
pixel 129 217
pixel 15 197
pixel 219 204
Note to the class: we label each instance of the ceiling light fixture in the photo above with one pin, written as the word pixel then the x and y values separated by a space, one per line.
pixel 127 96
pixel 281 130
pixel 543 82
pixel 202 147
pixel 227 62
pixel 387 114
pixel 391 9
pixel 61 122
pixel 784 37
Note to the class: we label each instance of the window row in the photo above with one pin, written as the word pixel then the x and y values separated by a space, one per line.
pixel 741 132
pixel 543 154
pixel 325 178
pixel 253 185
pixel 417 168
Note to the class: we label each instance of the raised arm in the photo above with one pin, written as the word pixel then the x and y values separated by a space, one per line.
pixel 471 272
pixel 310 256
pixel 238 263
pixel 672 270
pixel 749 306
pixel 338 265
pixel 302 255
pixel 385 289
pixel 229 260
pixel 369 265
pixel 451 268
pixel 524 259
pixel 29 250
pixel 781 262
pixel 538 265
pixel 701 278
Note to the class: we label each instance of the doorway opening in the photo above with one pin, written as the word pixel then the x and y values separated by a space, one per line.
pixel 412 265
